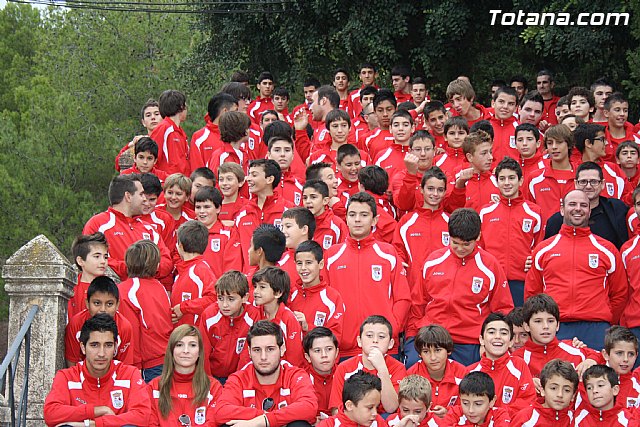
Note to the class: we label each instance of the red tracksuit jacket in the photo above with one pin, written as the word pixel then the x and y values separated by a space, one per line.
pixel 510 231
pixel 451 161
pixel 228 211
pixel 173 148
pixel 121 232
pixel 371 279
pixel 377 141
pixel 629 135
pixel 78 301
pixel 341 420
pixel 194 289
pixel 614 180
pixel 456 292
pixel 322 388
pixel 145 304
pixel 74 395
pixel 351 366
pixel 547 188
pixel 417 234
pixel 631 258
pixel 72 351
pixel 576 268
pixel 330 230
pixel 496 417
pixel 162 175
pixel 227 153
pixel 165 226
pixel 292 333
pixel 616 416
pixel 512 380
pixel 504 138
pixel 444 392
pixel 322 306
pixel 536 356
pixel 407 194
pixel 329 155
pixel 259 106
pixel 537 415
pixel 225 338
pixel 481 190
pixel 391 159
pixel 290 188
pixel 531 165
pixel 223 252
pixel 293 397
pixel 182 402
pixel 203 143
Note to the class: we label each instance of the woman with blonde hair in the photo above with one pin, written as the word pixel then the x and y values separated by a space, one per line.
pixel 184 394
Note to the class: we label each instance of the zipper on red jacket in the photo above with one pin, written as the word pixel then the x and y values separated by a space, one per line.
pixel 600 414
pixel 557 416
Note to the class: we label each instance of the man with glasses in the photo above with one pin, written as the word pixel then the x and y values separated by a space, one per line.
pixel 582 272
pixel 268 392
pixel 607 215
pixel 592 143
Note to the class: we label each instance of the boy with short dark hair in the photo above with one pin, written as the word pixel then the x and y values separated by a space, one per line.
pixel 90 254
pixel 581 102
pixel 435 115
pixel 170 136
pixel 374 181
pixel 281 104
pixel 102 297
pixel 281 149
pixel 391 158
pixel 450 271
pixel 414 404
pixel 512 220
pixel 313 301
pixel 193 288
pixel 520 336
pixel 201 177
pixel 456 130
pixel 434 345
pixel 384 105
pixel 224 326
pixel 267 245
pixel 330 229
pixel 271 287
pixel 559 382
pixel 601 90
pixel 234 133
pixel 341 83
pixel 263 101
pixel 602 385
pixel 542 320
pixel 161 220
pixel 618 128
pixel 321 351
pixel 375 339
pixel 477 396
pixel 510 375
pixel 368 75
pixel 527 142
pixel 621 352
pixel 360 398
pixel 298 226
pixel 561 109
pixel 504 123
pixel 628 158
pixel 145 159
pixel 230 179
pixel 348 163
pixel 401 81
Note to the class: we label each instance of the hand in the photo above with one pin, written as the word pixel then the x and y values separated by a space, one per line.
pixel 439 411
pixel 258 421
pixel 409 421
pixel 131 144
pixel 538 385
pixel 411 163
pixel 176 314
pixel 463 176
pixel 99 411
pixel 577 343
pixel 301 119
pixel 439 150
pixel 420 108
pixel 528 263
pixel 543 125
pixel 302 319
pixel 377 360
pixel 584 366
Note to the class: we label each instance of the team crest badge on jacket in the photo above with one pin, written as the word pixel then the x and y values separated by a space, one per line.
pixel 476 285
pixel 320 318
pixel 297 197
pixel 445 238
pixel 507 394
pixel 376 272
pixel 252 143
pixel 117 399
pixel 146 236
pixel 201 415
pixel 526 225
pixel 240 345
pixel 610 189
pixel 593 260
pixel 327 241
pixel 215 245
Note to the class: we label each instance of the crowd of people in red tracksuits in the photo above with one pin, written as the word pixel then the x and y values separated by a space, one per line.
pixel 369 257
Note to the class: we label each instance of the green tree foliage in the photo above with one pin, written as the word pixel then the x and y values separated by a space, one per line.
pixel 439 39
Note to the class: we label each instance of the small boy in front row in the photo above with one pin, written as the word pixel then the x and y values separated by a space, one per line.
pixel 477 396
pixel 375 340
pixel 321 351
pixel 559 385
pixel 620 352
pixel 414 398
pixel 360 401
pixel 602 386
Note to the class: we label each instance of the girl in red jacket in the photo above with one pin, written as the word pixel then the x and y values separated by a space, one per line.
pixel 184 394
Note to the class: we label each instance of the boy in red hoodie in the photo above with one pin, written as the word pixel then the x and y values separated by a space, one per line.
pixel 321 351
pixel 193 289
pixel 90 253
pixel 145 304
pixel 313 301
pixel 620 352
pixel 414 398
pixel 170 137
pixel 330 229
pixel 559 385
pixel 603 386
pixel 146 157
